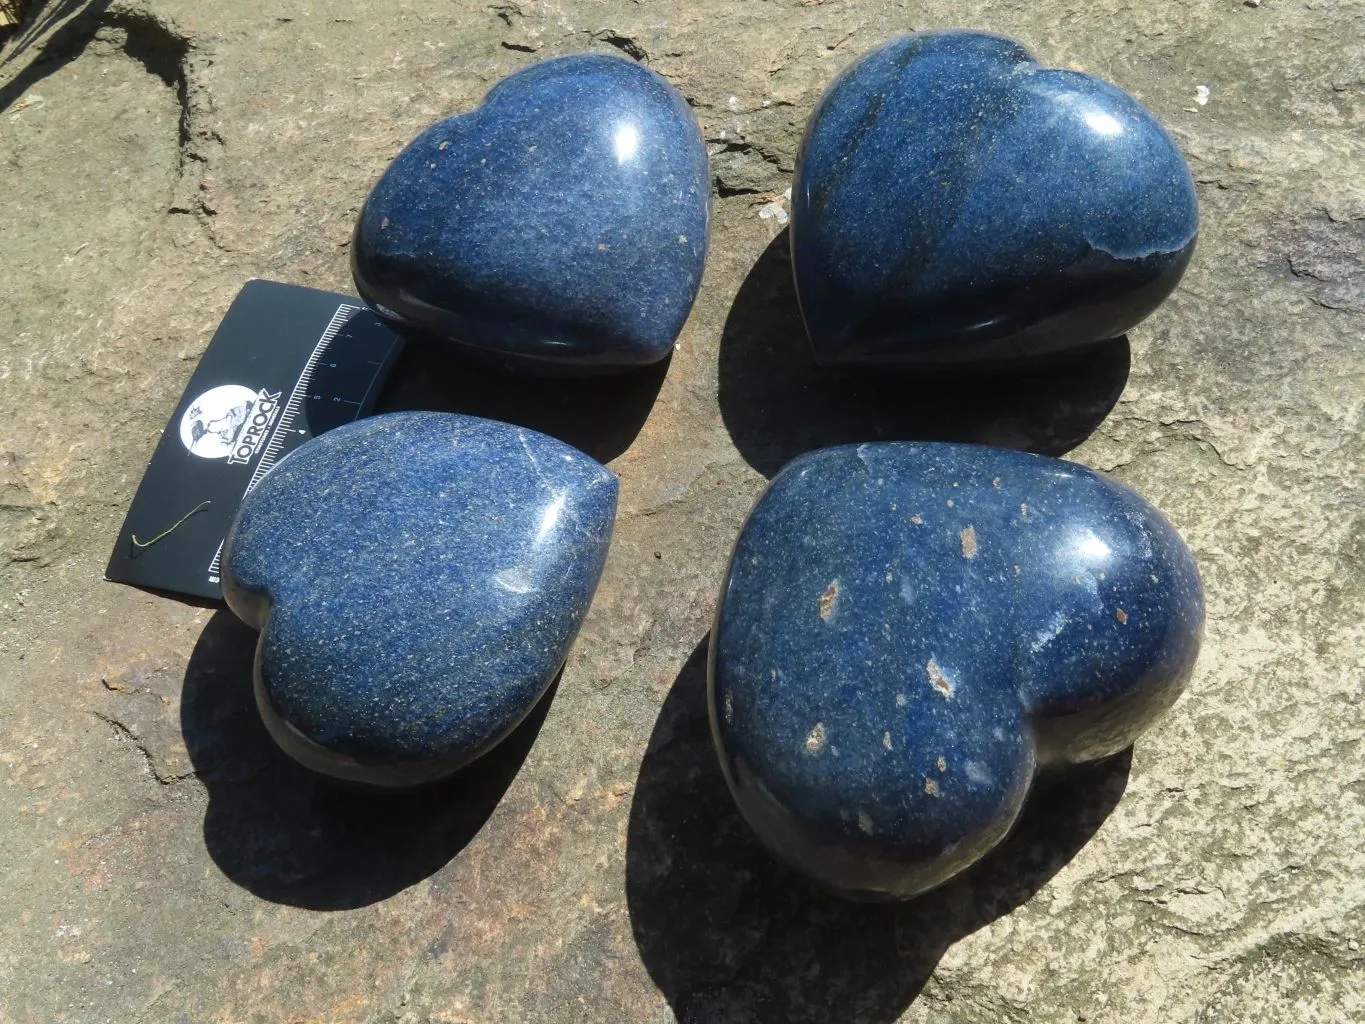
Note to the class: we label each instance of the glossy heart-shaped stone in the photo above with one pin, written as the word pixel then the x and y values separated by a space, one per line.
pixel 417 579
pixel 908 631
pixel 561 226
pixel 956 204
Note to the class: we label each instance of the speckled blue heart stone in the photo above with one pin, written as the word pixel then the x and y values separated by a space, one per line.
pixel 908 631
pixel 956 204
pixel 417 579
pixel 561 226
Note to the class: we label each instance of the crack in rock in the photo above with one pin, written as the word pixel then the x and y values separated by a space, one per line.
pixel 628 45
pixel 125 734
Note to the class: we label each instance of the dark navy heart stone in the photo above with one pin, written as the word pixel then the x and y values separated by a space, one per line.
pixel 417 579
pixel 562 225
pixel 908 632
pixel 956 204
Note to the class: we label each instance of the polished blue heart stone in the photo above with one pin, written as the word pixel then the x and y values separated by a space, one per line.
pixel 956 204
pixel 909 631
pixel 417 579
pixel 561 226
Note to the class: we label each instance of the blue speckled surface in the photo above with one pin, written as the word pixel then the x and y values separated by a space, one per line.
pixel 418 579
pixel 957 203
pixel 562 225
pixel 909 630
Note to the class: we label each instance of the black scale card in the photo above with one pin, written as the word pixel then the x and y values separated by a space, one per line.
pixel 286 364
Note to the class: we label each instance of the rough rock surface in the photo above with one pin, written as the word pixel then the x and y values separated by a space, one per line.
pixel 159 861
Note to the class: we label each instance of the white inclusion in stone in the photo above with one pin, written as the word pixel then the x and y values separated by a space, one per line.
pixel 1101 123
pixel 515 579
pixel 977 774
pixel 1049 632
pixel 626 142
pixel 1143 538
pixel 549 519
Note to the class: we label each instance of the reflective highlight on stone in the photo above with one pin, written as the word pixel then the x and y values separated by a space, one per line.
pixel 418 579
pixel 562 225
pixel 908 631
pixel 957 204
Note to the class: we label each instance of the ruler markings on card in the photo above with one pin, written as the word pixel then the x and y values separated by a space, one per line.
pixel 295 404
pixel 283 429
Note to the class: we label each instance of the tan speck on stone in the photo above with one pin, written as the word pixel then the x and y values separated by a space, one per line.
pixel 942 763
pixel 828 600
pixel 969 542
pixel 931 787
pixel 1121 615
pixel 815 741
pixel 938 680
